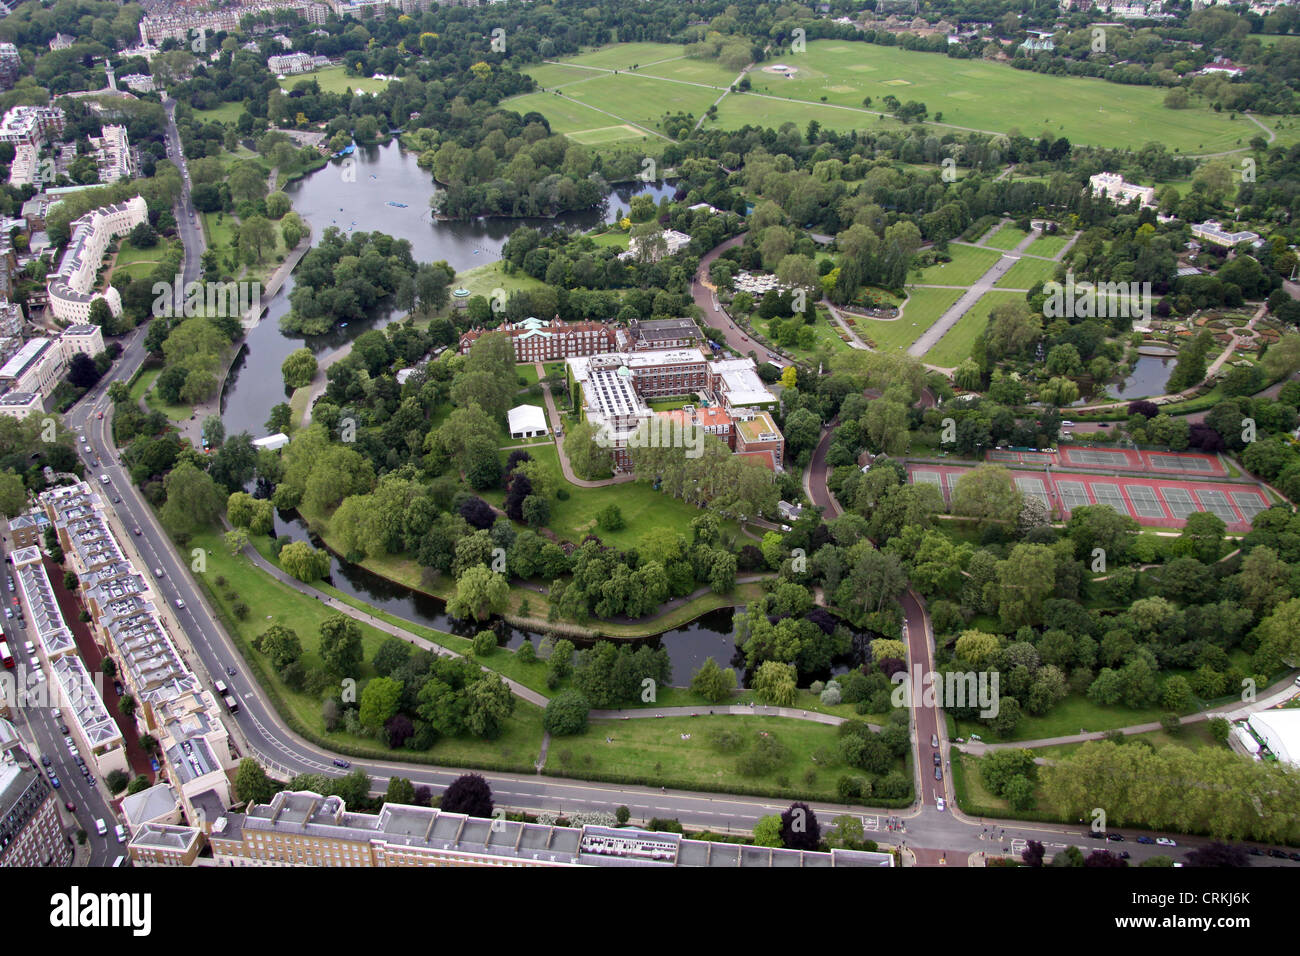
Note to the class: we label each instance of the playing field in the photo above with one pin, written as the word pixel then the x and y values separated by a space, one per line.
pixel 1026 272
pixel 1048 245
pixel 954 348
pixel 334 79
pixel 968 264
pixel 971 93
pixel 608 100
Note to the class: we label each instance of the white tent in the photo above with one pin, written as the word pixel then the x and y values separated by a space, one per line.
pixel 527 421
pixel 1280 731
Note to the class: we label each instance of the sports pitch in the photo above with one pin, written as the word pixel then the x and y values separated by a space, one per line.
pixel 833 78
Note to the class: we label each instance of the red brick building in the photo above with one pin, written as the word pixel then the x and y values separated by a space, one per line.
pixel 538 341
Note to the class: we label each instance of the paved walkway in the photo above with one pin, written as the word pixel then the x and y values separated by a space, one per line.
pixel 1279 693
pixel 556 427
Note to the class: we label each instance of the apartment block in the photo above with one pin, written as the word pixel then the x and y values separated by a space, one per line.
pixel 300 828
pixel 33 125
pixel 11 64
pixel 72 288
pixel 113 154
pixel 536 340
pixel 31 833
pixel 38 367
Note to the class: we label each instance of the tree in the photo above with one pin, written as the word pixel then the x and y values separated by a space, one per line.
pixel 252 784
pixel 82 372
pixel 488 703
pixel 340 645
pixel 566 714
pixel 799 828
pixel 400 791
pixel 1218 854
pixel 281 646
pixel 13 494
pixel 304 562
pixel 299 368
pixel 715 684
pixel 193 501
pixel 767 831
pixel 480 593
pixel 379 702
pixel 987 494
pixel 469 794
pixel 256 237
pixel 774 683
pixel 1202 537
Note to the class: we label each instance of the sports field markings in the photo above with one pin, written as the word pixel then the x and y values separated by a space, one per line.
pixel 591 136
pixel 1144 501
pixel 1249 503
pixel 1216 502
pixel 1179 501
pixel 1096 457
pixel 1179 463
pixel 1074 494
pixel 1033 487
pixel 622 119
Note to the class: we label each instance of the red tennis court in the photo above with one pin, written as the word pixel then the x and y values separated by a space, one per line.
pixel 1152 501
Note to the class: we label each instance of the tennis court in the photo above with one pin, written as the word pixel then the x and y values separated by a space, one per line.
pixel 1015 457
pixel 1201 464
pixel 1098 458
pixel 1152 501
pixel 1134 459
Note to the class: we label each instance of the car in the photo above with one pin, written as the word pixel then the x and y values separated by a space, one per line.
pixel 1277 854
pixel 101 416
pixel 117 500
pixel 68 740
pixel 1146 840
pixel 1115 837
pixel 938 773
pixel 1254 851
pixel 45 760
pixel 1096 834
pixel 939 804
pixel 976 737
pixel 1293 856
pixel 100 827
pixel 1067 424
pixel 744 338
pixel 63 728
pixel 180 604
pixel 117 687
pixel 230 671
pixel 103 479
pixel 71 807
pixel 340 762
pixel 157 572
pixel 120 832
pixel 937 759
pixel 934 740
pixel 1124 854
pixel 1165 841
pixel 54 781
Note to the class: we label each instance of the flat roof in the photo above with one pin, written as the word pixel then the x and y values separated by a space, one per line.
pixel 26 355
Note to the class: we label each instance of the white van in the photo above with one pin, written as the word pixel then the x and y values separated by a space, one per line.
pixel 120 832
pixel 100 827
pixel 120 861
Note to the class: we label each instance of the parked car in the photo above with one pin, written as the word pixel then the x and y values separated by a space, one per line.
pixel 100 827
pixel 938 773
pixel 937 759
pixel 1115 837
pixel 45 760
pixel 934 740
pixel 1165 841
pixel 1146 840
pixel 71 807
pixel 54 781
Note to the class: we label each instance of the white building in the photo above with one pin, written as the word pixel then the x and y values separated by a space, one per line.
pixel 527 421
pixel 1113 187
pixel 139 82
pixel 1280 731
pixel 70 289
pixel 291 63
pixel 25 169
pixel 674 240
pixel 31 124
pixel 113 154
pixel 37 367
pixel 87 339
pixel 21 404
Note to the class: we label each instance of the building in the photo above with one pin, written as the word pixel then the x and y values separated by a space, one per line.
pixel 1279 731
pixel 271 442
pixel 113 154
pixel 25 170
pixel 1113 187
pixel 33 125
pixel 736 385
pixel 172 704
pixel 38 367
pixel 300 828
pixel 62 41
pixel 674 242
pixel 11 319
pixel 1212 231
pixel 663 334
pixel 21 404
pixel 188 26
pixel 11 64
pixel 1223 66
pixel 527 421
pixel 538 341
pixel 611 390
pixel 31 831
pixel 27 530
pixel 87 339
pixel 291 63
pixel 138 82
pixel 70 288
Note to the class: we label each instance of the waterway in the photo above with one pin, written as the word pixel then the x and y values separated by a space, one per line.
pixel 1149 376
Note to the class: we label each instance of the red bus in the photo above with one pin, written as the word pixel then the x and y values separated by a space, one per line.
pixel 5 656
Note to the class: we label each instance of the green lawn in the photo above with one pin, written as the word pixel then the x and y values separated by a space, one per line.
pixel 655 750
pixel 1048 245
pixel 633 98
pixel 967 265
pixel 334 79
pixel 483 280
pixel 1066 718
pixel 225 113
pixel 954 348
pixel 623 56
pixel 1006 238
pixel 143 388
pixel 1026 272
pixel 921 310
